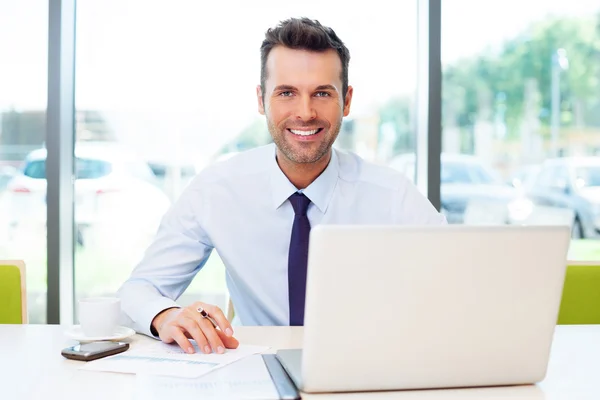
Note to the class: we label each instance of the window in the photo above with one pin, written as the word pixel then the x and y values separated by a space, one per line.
pixel 35 169
pixel 587 176
pixel 547 178
pixel 562 180
pixel 469 173
pixel 85 169
pixel 180 95
pixel 23 93
pixel 520 87
pixel 91 169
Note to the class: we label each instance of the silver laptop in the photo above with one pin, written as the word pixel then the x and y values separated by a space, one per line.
pixel 391 308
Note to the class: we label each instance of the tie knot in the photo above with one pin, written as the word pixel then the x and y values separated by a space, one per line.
pixel 300 203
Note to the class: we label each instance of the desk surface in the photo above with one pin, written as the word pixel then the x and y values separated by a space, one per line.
pixel 31 367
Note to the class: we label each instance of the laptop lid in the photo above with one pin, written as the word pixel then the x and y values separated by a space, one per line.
pixel 392 307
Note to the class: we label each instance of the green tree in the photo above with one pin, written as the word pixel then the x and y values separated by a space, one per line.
pixel 396 113
pixel 254 135
pixel 528 56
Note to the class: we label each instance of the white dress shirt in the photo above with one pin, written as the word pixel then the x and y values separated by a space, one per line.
pixel 240 207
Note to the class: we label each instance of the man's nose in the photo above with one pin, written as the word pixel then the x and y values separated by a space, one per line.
pixel 305 110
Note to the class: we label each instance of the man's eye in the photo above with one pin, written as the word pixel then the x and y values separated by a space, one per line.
pixel 322 94
pixel 286 94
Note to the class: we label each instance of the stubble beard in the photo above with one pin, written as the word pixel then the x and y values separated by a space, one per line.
pixel 303 153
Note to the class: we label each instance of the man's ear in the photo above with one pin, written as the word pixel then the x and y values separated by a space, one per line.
pixel 259 97
pixel 348 100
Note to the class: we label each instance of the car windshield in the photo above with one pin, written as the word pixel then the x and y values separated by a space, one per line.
pixel 35 169
pixel 453 172
pixel 588 176
pixel 86 169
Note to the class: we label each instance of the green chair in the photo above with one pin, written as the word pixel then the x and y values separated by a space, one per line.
pixel 580 302
pixel 13 297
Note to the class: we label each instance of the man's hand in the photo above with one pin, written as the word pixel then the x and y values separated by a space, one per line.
pixel 181 324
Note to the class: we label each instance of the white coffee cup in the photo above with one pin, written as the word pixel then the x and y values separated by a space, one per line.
pixel 99 316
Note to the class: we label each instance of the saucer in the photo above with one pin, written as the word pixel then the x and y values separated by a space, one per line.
pixel 120 333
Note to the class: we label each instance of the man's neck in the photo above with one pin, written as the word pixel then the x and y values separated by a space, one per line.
pixel 302 175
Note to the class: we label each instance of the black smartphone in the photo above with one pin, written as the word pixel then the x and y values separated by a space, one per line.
pixel 94 350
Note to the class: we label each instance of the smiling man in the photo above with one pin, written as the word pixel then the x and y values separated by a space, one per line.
pixel 304 93
pixel 257 208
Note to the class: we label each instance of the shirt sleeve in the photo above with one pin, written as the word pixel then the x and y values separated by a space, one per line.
pixel 179 250
pixel 413 208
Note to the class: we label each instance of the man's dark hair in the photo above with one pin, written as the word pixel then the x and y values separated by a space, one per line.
pixel 303 34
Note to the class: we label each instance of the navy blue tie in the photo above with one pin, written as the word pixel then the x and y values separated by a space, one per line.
pixel 298 258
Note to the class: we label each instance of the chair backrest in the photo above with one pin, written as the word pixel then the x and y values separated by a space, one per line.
pixel 13 296
pixel 580 303
pixel 230 311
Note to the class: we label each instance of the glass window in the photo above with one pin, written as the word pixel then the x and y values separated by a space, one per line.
pixel 23 96
pixel 469 173
pixel 180 95
pixel 91 169
pixel 455 173
pixel 562 180
pixel 35 169
pixel 547 177
pixel 522 91
pixel 587 176
pixel 86 169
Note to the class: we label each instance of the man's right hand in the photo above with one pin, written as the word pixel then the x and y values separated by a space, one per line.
pixel 181 324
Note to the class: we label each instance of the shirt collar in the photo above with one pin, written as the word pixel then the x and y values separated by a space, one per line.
pixel 319 192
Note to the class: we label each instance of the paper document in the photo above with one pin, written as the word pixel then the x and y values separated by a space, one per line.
pixel 169 360
pixel 246 379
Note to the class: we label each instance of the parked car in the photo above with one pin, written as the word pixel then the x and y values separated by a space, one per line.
pixel 524 176
pixel 466 182
pixel 571 183
pixel 7 172
pixel 115 193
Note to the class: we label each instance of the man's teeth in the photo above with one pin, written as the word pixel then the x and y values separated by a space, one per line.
pixel 304 133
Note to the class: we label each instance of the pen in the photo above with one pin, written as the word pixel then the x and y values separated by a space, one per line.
pixel 204 314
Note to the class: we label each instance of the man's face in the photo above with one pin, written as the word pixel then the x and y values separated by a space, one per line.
pixel 303 102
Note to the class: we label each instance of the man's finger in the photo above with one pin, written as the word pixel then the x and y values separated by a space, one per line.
pixel 211 334
pixel 182 341
pixel 166 336
pixel 229 341
pixel 192 328
pixel 216 313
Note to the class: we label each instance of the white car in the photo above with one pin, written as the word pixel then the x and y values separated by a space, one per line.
pixel 470 192
pixel 116 196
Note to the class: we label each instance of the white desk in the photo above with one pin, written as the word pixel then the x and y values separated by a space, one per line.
pixel 31 367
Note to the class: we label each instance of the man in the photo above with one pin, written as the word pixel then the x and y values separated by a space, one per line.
pixel 256 209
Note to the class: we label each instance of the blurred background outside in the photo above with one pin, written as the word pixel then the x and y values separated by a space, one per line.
pixel 162 93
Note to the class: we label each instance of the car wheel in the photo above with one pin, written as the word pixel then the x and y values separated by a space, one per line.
pixel 577 229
